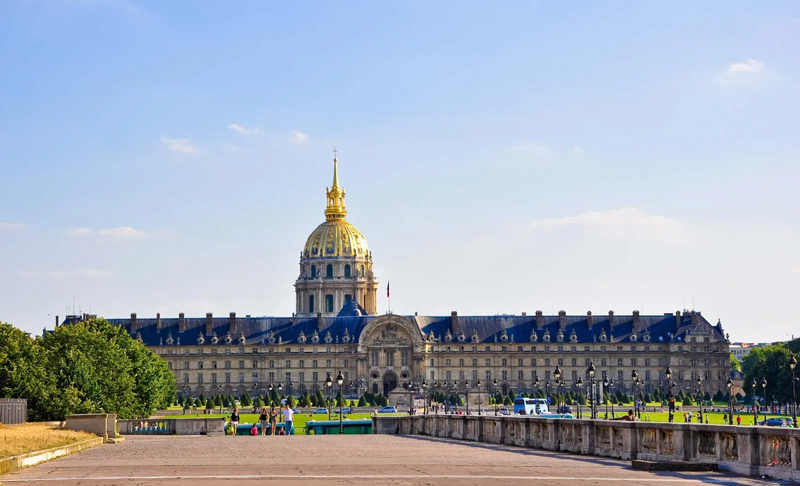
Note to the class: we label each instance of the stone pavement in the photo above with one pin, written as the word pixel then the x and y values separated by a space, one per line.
pixel 334 460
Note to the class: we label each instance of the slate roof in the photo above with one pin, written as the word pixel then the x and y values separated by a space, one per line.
pixel 348 325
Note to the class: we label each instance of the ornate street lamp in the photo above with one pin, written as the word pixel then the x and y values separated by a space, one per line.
pixel 764 397
pixel 557 376
pixel 328 384
pixel 700 396
pixel 579 382
pixel 426 395
pixel 480 400
pixel 637 403
pixel 729 384
pixel 536 384
pixel 792 364
pixel 754 388
pixel 591 371
pixel 496 405
pixel 409 386
pixel 670 400
pixel 340 382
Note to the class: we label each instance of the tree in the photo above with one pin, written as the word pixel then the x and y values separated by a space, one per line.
pixel 362 402
pixel 339 399
pixel 209 405
pixel 735 364
pixel 771 363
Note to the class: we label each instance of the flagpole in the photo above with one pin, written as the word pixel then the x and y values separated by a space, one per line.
pixel 388 296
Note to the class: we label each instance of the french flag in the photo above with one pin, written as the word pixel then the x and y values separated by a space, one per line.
pixel 387 289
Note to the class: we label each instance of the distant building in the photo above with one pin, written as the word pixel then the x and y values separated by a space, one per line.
pixel 336 327
pixel 741 350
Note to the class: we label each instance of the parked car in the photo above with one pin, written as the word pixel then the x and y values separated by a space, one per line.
pixel 564 409
pixel 388 410
pixel 320 411
pixel 345 410
pixel 504 411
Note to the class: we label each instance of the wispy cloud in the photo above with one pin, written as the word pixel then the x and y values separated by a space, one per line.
pixel 56 274
pixel 243 130
pixel 748 66
pixel 623 223
pixel 742 73
pixel 179 145
pixel 298 137
pixel 121 233
pixel 577 150
pixel 12 227
pixel 536 149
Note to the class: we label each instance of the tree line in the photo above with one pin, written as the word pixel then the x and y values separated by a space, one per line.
pixel 90 366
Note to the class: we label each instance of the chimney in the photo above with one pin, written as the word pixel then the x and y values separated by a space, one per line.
pixel 539 320
pixel 695 317
pixel 524 314
pixel 636 321
pixel 233 323
pixel 56 321
pixel 181 322
pixel 562 320
pixel 319 321
pixel 611 319
pixel 589 319
pixel 209 323
pixel 134 324
pixel 453 322
pixel 158 321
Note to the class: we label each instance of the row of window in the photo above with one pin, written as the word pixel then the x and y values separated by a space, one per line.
pixel 329 271
pixel 621 376
pixel 301 364
pixel 315 377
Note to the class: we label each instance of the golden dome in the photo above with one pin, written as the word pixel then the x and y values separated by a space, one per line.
pixel 336 238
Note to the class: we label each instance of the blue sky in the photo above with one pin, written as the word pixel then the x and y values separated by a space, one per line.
pixel 173 156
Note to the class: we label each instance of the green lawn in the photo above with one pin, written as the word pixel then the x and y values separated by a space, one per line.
pixel 300 419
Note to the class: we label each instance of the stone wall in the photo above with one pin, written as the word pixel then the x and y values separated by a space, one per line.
pixel 167 426
pixel 752 451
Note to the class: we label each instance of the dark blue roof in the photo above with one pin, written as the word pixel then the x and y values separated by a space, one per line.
pixel 347 327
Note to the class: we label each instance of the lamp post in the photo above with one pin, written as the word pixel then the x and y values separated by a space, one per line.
pixel 605 392
pixel 557 376
pixel 328 384
pixel 670 401
pixel 729 384
pixel 280 390
pixel 635 386
pixel 424 386
pixel 466 394
pixel 536 385
pixel 409 386
pixel 547 391
pixel 700 396
pixel 591 371
pixel 269 395
pixel 579 382
pixel 754 388
pixel 496 406
pixel 340 382
pixel 184 399
pixel 480 399
pixel 792 364
pixel 764 396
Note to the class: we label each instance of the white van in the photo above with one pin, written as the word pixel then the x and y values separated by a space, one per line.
pixel 530 406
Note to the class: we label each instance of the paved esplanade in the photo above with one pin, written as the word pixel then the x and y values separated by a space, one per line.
pixel 334 460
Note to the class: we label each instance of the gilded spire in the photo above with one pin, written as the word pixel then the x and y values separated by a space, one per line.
pixel 335 209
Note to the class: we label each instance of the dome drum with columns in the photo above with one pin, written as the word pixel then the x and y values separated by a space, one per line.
pixel 335 264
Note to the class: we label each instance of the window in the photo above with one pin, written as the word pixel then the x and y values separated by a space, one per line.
pixel 633 361
pixel 329 302
pixel 186 365
pixel 328 363
pixel 574 362
pixel 533 362
pixel 474 363
pixel 488 376
pixel 199 378
pixel 602 362
pixel 227 365
pixel 213 377
pixel 519 375
pixel 433 363
pixel 560 361
pixel 313 275
pixel 186 377
pixel 288 364
pixel 375 359
pixel 475 375
pixel 505 375
pixel 255 378
pixel 547 361
pixel 619 377
pixel 519 362
pixel 227 377
pixel 619 361
pixel 433 375
pixel 288 377
pixel 488 362
pixel 504 362
pixel 447 362
pixel 347 271
pixel 310 303
pixel 361 271
pixel 574 376
pixel 272 377
pixel 241 364
pixel 461 362
pixel 461 375
pixel 329 271
pixel 199 365
pixel 314 376
pixel 447 376
pixel 241 377
pixel 403 358
pixel 170 364
pixel 255 363
pixel 271 364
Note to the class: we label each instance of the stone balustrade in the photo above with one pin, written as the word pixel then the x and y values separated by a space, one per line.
pixel 751 451
pixel 171 426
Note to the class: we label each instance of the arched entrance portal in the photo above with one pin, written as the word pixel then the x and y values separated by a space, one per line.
pixel 389 382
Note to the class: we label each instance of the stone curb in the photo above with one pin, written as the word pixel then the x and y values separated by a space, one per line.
pixel 14 463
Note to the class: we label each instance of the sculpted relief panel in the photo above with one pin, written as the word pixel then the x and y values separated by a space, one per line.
pixel 390 335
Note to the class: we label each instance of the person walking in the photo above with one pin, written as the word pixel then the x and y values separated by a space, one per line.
pixel 235 419
pixel 288 416
pixel 263 419
pixel 273 419
pixel 738 420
